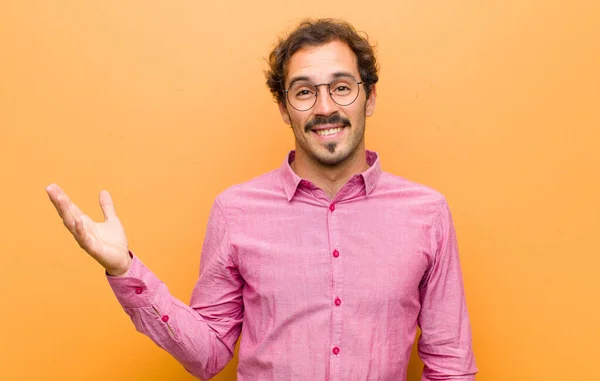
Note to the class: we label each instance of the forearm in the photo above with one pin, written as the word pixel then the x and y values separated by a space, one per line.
pixel 448 356
pixel 170 323
pixel 445 344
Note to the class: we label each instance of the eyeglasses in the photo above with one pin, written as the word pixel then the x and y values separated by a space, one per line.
pixel 343 91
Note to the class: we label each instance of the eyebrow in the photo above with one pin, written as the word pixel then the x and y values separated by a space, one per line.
pixel 336 75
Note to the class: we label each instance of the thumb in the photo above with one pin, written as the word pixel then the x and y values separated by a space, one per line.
pixel 108 208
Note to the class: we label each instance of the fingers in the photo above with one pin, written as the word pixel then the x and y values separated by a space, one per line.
pixel 70 213
pixel 80 233
pixel 66 209
pixel 53 191
pixel 62 203
pixel 108 208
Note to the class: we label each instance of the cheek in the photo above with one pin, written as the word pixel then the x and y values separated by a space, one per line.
pixel 298 121
pixel 359 112
pixel 354 116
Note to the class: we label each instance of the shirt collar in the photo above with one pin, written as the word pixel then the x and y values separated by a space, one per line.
pixel 371 175
pixel 291 180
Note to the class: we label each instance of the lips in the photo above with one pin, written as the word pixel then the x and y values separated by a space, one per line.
pixel 320 123
pixel 328 131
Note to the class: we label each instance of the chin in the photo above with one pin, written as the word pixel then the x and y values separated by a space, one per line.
pixel 332 159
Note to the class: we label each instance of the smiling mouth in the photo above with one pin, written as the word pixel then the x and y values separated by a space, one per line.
pixel 329 131
pixel 323 126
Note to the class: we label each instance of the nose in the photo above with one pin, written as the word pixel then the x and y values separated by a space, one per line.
pixel 324 105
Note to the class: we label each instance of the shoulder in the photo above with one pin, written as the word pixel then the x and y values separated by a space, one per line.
pixel 263 188
pixel 400 188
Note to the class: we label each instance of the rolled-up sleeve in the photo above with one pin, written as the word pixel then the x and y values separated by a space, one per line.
pixel 445 342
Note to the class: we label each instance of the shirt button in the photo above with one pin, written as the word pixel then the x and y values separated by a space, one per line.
pixel 139 290
pixel 338 301
pixel 336 350
pixel 336 253
pixel 165 318
pixel 332 207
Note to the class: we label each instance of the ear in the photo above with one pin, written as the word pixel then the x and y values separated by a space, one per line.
pixel 285 115
pixel 370 105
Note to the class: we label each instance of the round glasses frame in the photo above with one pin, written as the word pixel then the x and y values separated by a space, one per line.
pixel 287 95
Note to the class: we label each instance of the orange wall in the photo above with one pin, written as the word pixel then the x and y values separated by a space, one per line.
pixel 495 104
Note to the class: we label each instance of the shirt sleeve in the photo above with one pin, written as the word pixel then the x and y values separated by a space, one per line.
pixel 201 336
pixel 445 342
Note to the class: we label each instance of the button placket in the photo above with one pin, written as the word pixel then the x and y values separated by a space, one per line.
pixel 333 218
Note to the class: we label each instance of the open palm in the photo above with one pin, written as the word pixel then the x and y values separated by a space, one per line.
pixel 106 241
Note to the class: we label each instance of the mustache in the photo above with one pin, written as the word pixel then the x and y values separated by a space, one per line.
pixel 321 120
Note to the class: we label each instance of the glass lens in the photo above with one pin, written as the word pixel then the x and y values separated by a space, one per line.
pixel 343 91
pixel 302 96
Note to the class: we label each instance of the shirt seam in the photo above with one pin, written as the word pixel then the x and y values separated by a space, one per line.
pixel 230 255
pixel 435 229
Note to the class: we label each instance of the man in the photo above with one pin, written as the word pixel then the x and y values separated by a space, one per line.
pixel 326 265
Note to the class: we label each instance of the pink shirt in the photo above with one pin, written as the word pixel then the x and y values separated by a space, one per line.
pixel 319 289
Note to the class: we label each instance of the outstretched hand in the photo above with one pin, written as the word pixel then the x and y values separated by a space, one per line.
pixel 106 241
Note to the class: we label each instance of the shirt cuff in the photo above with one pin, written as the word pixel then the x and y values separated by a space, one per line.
pixel 137 287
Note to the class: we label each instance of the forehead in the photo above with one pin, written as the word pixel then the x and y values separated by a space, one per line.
pixel 319 63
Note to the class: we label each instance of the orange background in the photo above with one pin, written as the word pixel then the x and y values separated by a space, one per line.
pixel 495 104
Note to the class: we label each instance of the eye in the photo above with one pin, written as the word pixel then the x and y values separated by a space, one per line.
pixel 303 92
pixel 342 89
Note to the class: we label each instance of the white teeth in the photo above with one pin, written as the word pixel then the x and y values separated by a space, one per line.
pixel 330 131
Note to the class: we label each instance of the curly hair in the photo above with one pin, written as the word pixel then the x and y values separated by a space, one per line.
pixel 315 33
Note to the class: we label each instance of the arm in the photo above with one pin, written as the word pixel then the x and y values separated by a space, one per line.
pixel 201 337
pixel 445 342
pixel 202 343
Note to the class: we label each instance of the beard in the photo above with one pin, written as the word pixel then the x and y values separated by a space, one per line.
pixel 333 155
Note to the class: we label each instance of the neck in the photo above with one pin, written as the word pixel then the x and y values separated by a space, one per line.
pixel 330 178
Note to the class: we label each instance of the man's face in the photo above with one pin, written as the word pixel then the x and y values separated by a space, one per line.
pixel 328 133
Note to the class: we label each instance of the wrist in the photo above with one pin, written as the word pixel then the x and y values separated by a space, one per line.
pixel 121 271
